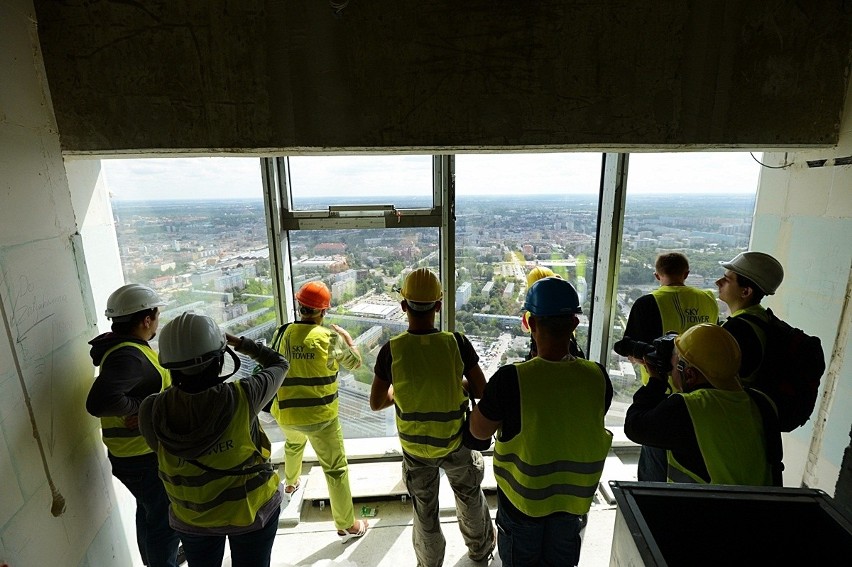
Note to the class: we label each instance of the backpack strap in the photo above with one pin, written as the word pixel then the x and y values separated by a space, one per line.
pixel 276 342
pixel 755 320
pixel 276 338
pixel 771 433
pixel 460 341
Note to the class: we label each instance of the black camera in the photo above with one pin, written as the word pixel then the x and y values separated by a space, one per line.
pixel 658 353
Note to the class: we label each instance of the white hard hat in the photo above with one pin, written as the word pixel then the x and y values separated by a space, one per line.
pixel 764 270
pixel 190 342
pixel 130 299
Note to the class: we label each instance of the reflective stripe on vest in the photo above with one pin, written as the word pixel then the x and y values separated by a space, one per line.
pixel 729 430
pixel 209 499
pixel 555 463
pixel 430 401
pixel 121 441
pixel 681 307
pixel 309 392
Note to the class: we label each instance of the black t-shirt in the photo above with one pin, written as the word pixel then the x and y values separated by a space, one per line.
pixel 660 420
pixel 750 346
pixel 644 322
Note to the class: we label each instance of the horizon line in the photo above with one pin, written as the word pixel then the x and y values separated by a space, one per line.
pixel 478 196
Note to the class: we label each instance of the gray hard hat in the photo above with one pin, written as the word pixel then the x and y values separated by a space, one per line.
pixel 764 270
pixel 190 341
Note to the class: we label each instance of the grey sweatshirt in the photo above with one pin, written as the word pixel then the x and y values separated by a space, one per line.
pixel 189 425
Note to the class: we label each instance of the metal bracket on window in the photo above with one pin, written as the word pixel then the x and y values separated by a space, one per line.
pixel 360 216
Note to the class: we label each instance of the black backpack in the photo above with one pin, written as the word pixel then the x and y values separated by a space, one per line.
pixel 792 367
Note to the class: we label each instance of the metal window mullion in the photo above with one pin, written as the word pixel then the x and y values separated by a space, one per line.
pixel 275 199
pixel 611 205
pixel 444 194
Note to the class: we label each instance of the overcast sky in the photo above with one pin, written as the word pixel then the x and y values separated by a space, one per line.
pixel 494 174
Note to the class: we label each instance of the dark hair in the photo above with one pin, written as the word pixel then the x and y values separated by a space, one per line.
pixel 208 377
pixel 311 312
pixel 757 293
pixel 133 321
pixel 671 264
pixel 555 325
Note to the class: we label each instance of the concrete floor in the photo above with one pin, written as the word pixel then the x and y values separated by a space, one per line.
pixel 307 537
pixel 314 543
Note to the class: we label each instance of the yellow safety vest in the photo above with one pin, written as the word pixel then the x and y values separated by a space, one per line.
pixel 430 401
pixel 682 307
pixel 211 498
pixel 556 461
pixel 730 435
pixel 309 392
pixel 119 439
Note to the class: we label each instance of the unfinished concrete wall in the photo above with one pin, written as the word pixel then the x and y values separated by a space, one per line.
pixel 266 75
pixel 50 450
pixel 803 217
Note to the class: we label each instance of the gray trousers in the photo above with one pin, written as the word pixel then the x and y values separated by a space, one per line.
pixel 465 470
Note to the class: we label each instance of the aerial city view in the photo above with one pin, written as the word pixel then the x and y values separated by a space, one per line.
pixel 212 257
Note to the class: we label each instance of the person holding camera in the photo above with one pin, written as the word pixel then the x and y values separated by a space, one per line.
pixel 426 374
pixel 713 430
pixel 213 456
pixel 552 444
pixel 673 307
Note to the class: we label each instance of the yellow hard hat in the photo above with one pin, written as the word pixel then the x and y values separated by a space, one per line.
pixel 537 273
pixel 422 286
pixel 714 351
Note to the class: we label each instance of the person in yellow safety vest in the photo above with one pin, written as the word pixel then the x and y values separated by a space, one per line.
pixel 536 274
pixel 306 406
pixel 129 372
pixel 213 456
pixel 551 444
pixel 713 430
pixel 673 307
pixel 748 278
pixel 426 374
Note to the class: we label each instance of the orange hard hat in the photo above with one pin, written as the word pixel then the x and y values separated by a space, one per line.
pixel 314 295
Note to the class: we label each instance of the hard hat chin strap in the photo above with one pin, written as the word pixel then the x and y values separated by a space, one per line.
pixel 236 360
pixel 200 381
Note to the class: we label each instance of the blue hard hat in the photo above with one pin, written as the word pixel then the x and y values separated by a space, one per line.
pixel 552 296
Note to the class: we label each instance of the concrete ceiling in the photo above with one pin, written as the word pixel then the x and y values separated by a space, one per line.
pixel 268 76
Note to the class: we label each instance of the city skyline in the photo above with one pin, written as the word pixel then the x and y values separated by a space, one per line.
pixel 716 173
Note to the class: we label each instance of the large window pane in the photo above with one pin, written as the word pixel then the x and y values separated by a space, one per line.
pixel 515 212
pixel 319 181
pixel 700 204
pixel 362 267
pixel 194 230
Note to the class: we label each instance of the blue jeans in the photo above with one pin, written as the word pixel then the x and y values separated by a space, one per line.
pixel 551 541
pixel 252 549
pixel 653 465
pixel 158 542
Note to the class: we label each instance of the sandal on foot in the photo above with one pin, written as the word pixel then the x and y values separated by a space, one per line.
pixel 346 535
pixel 291 488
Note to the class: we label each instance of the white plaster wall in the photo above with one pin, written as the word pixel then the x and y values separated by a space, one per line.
pixel 48 317
pixel 90 196
pixel 803 217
